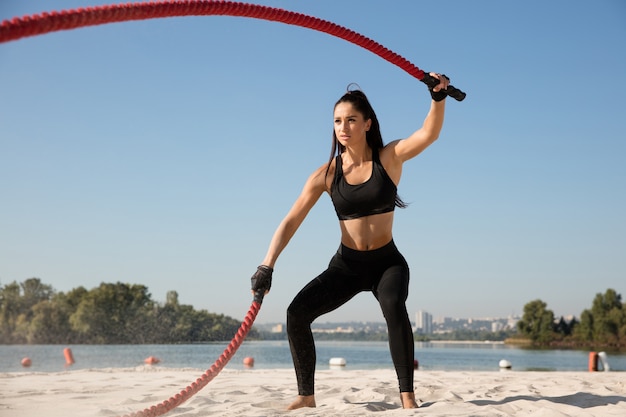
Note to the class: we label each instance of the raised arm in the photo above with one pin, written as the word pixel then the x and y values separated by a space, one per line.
pixel 413 145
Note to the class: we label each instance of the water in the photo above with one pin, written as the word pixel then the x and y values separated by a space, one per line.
pixel 275 354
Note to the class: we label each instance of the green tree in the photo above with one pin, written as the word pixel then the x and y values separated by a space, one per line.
pixel 112 313
pixel 16 308
pixel 609 318
pixel 171 298
pixel 172 322
pixel 10 309
pixel 564 328
pixel 34 291
pixel 583 333
pixel 537 322
pixel 50 323
pixel 32 312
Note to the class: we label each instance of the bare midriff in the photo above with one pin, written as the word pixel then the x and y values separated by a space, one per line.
pixel 367 233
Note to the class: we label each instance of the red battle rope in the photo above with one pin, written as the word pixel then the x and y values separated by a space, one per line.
pixel 46 22
pixel 216 368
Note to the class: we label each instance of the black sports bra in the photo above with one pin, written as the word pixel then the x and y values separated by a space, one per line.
pixel 375 196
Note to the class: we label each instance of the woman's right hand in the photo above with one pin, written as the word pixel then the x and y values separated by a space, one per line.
pixel 261 281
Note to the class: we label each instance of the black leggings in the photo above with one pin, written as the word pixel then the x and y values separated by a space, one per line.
pixel 382 271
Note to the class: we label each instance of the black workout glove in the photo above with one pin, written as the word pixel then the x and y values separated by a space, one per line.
pixel 438 95
pixel 261 281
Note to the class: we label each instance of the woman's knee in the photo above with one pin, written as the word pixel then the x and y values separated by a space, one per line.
pixel 392 300
pixel 297 314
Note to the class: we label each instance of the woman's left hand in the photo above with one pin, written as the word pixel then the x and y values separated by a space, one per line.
pixel 438 92
pixel 444 81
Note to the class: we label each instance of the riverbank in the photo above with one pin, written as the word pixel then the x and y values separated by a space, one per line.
pixel 267 392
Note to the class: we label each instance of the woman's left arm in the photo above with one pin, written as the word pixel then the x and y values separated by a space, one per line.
pixel 412 146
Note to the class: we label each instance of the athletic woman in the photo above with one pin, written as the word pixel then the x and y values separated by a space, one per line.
pixel 361 178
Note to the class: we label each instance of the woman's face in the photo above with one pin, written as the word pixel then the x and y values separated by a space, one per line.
pixel 350 126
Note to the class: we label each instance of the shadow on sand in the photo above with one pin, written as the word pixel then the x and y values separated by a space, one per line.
pixel 580 399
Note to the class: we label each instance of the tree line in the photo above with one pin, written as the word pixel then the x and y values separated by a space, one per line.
pixel 603 325
pixel 32 312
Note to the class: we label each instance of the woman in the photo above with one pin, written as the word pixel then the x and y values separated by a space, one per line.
pixel 361 181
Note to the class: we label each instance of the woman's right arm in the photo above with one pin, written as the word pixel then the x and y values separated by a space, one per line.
pixel 311 192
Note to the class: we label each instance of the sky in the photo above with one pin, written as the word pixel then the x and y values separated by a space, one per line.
pixel 166 152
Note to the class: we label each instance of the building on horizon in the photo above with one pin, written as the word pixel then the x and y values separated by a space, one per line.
pixel 423 322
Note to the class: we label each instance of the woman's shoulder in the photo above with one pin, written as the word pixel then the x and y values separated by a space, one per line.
pixel 390 160
pixel 323 175
pixel 388 152
pixel 390 147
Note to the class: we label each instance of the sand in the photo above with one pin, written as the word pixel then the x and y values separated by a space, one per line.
pixel 267 392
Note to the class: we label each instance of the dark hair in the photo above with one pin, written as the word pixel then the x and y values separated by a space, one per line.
pixel 373 137
pixel 359 101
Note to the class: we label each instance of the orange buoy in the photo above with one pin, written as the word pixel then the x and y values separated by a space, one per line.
pixel 593 361
pixel 26 362
pixel 69 357
pixel 248 362
pixel 152 360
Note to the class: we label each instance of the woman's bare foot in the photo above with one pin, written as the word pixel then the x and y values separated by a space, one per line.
pixel 408 400
pixel 303 401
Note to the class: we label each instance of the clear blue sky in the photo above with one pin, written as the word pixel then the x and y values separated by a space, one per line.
pixel 165 152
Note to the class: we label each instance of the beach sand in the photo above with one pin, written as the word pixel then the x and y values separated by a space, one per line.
pixel 267 392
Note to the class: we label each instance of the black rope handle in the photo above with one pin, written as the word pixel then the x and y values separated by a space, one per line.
pixel 451 91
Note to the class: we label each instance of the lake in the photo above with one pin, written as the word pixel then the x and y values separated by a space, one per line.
pixel 440 356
